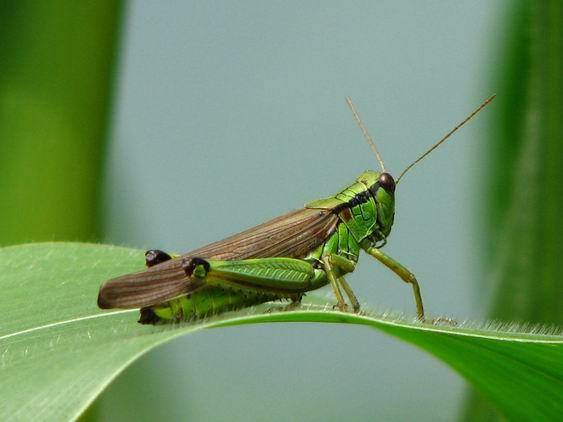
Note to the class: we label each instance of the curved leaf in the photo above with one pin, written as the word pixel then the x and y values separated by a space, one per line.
pixel 58 351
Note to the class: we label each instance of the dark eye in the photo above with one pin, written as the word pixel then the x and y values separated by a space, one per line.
pixel 386 182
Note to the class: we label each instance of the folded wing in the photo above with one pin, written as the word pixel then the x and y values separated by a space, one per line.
pixel 292 235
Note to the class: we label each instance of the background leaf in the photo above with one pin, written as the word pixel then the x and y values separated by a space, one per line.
pixel 527 177
pixel 58 351
pixel 525 182
pixel 57 64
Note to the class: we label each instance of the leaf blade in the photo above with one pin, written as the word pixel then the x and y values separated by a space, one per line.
pixel 55 360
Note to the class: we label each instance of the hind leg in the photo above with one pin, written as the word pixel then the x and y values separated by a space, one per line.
pixel 285 277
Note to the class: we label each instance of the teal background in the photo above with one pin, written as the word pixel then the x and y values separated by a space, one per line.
pixel 228 114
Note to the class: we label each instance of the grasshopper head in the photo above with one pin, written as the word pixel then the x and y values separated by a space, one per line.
pixel 381 187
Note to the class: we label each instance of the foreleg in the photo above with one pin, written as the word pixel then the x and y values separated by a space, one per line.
pixel 402 272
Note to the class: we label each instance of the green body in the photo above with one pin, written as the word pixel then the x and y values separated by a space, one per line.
pixel 365 212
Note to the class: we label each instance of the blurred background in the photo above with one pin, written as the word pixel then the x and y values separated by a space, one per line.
pixel 171 125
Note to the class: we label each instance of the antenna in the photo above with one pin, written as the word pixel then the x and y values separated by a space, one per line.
pixel 450 133
pixel 365 133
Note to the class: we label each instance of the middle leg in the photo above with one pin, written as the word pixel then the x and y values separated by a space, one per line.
pixel 336 266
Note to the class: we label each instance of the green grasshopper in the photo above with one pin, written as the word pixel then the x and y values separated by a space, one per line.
pixel 281 259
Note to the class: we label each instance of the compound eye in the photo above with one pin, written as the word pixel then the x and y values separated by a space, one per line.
pixel 387 182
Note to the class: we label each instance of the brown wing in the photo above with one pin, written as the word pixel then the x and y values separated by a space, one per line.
pixel 293 235
pixel 148 287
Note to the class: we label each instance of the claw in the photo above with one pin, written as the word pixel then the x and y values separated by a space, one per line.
pixel 342 307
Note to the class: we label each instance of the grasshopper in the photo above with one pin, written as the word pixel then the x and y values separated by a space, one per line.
pixel 281 259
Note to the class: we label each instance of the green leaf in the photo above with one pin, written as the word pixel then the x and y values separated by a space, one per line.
pixel 526 178
pixel 55 90
pixel 58 351
pixel 524 201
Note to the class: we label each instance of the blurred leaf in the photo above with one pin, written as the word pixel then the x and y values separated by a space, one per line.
pixel 525 181
pixel 55 84
pixel 58 351
pixel 529 251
